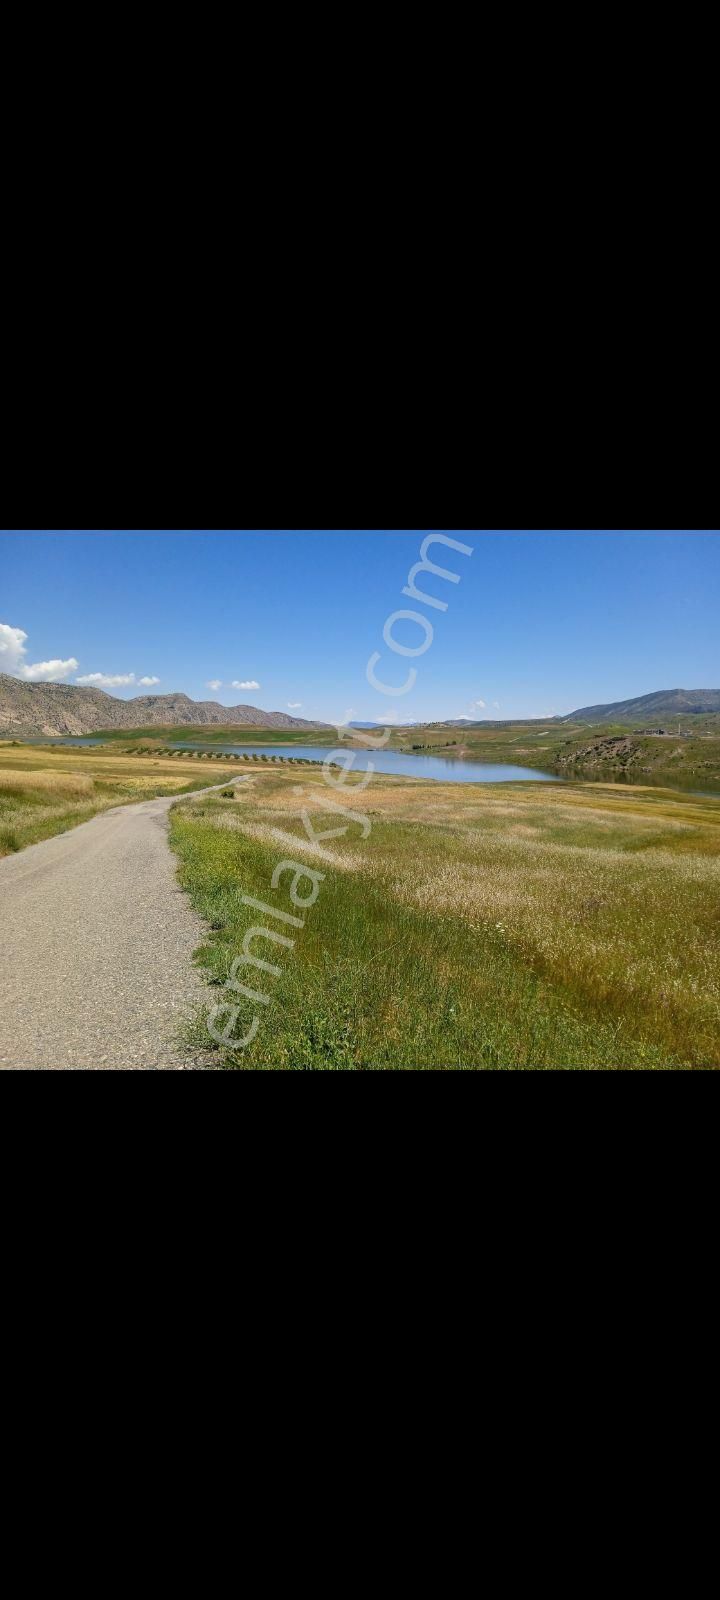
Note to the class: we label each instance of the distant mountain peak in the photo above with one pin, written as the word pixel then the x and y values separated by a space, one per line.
pixel 661 703
pixel 54 709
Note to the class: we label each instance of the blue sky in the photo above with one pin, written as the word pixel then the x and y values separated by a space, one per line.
pixel 539 623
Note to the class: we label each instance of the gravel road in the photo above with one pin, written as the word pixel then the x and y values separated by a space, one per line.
pixel 96 944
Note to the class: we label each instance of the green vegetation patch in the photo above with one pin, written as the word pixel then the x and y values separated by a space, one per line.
pixel 487 930
pixel 42 797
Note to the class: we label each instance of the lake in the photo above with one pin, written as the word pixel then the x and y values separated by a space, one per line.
pixel 445 769
pixel 66 739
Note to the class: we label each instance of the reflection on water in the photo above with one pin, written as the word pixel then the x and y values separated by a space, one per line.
pixel 446 769
pixel 66 739
pixel 683 784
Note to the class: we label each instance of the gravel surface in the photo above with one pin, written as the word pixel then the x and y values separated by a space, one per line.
pixel 96 944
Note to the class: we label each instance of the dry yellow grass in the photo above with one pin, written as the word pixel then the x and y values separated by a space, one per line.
pixel 44 792
pixel 612 896
pixel 51 783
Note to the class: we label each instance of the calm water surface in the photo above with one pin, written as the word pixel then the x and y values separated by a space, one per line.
pixel 66 739
pixel 447 770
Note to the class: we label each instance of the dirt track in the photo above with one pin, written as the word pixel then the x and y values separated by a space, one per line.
pixel 96 944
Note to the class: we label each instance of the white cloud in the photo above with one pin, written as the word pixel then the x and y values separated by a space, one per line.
pixel 496 705
pixel 391 715
pixel 214 683
pixel 12 659
pixel 477 705
pixel 49 671
pixel 107 680
pixel 12 647
pixel 247 683
pixel 114 680
pixel 294 705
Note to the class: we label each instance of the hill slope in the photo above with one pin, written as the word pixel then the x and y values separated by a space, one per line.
pixel 663 703
pixel 54 709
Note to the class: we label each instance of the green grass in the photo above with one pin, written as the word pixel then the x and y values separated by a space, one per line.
pixel 690 761
pixel 201 734
pixel 575 928
pixel 43 793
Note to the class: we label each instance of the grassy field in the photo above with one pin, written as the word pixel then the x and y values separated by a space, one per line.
pixel 214 734
pixel 46 791
pixel 500 926
pixel 495 926
pixel 690 761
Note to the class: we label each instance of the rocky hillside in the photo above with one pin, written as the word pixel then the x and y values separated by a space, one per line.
pixel 654 758
pixel 663 703
pixel 32 709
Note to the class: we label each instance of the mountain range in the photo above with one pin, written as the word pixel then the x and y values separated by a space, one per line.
pixel 33 709
pixel 663 703
pixel 30 710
